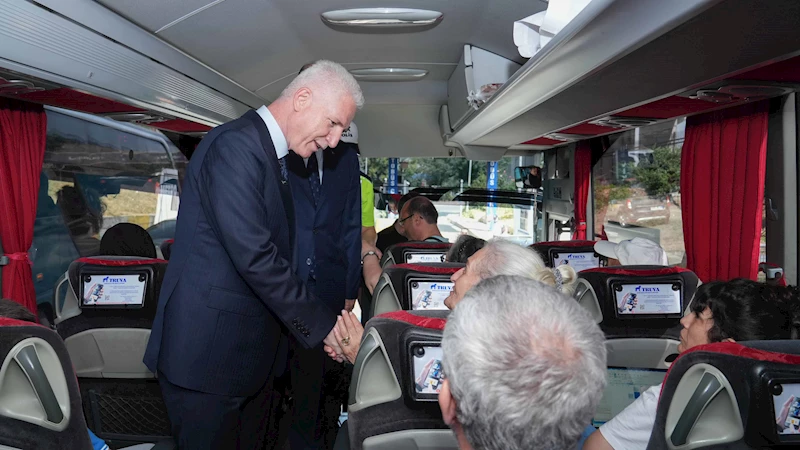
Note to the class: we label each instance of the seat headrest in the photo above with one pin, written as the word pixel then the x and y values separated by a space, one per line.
pixel 578 254
pixel 415 252
pixel 431 268
pixel 413 287
pixel 124 282
pixel 166 248
pixel 732 395
pixel 7 322
pixel 636 301
pixel 432 320
pixel 396 378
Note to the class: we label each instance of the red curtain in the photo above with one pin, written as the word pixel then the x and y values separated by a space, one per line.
pixel 583 171
pixel 723 165
pixel 23 130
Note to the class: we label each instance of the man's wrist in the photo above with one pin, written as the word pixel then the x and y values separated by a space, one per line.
pixel 366 254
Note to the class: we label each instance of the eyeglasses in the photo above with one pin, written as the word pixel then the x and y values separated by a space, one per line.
pixel 403 220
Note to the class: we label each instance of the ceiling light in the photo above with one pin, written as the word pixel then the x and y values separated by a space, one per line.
pixel 389 74
pixel 382 17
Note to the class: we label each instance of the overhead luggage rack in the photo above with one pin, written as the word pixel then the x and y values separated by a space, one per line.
pixel 621 56
pixel 494 196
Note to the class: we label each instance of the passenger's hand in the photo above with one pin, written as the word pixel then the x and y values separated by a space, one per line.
pixel 349 305
pixel 332 354
pixel 332 347
pixel 349 332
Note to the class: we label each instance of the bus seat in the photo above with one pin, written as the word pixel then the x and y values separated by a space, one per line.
pixel 108 340
pixel 166 248
pixel 643 334
pixel 414 252
pixel 106 343
pixel 743 395
pixel 412 287
pixel 385 408
pixel 579 254
pixel 40 403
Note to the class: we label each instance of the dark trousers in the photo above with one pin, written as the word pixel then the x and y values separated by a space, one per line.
pixel 318 395
pixel 208 421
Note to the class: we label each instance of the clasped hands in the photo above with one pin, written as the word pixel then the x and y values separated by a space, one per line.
pixel 344 340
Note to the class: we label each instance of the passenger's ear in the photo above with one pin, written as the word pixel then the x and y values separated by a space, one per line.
pixel 447 404
pixel 302 99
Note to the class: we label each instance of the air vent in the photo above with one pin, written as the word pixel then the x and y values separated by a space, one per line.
pixel 17 87
pixel 740 93
pixel 714 96
pixel 565 137
pixel 753 92
pixel 623 122
pixel 145 118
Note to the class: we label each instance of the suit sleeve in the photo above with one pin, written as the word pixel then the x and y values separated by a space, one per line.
pixel 233 179
pixel 352 231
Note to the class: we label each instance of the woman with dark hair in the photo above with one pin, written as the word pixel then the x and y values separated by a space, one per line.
pixel 738 310
pixel 463 248
pixel 127 239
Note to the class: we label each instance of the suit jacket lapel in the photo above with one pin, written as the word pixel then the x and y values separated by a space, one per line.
pixel 272 157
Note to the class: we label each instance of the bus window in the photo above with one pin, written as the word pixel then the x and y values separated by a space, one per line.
pixel 637 187
pixel 98 173
pixel 455 175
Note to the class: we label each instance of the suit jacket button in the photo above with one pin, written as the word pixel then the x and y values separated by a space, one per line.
pixel 308 261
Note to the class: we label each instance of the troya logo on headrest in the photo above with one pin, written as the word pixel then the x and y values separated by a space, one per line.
pixel 441 287
pixel 114 280
pixel 647 289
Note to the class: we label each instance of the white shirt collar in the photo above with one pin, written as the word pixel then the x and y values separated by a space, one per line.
pixel 278 139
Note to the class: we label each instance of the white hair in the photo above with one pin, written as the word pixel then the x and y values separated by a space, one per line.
pixel 501 257
pixel 526 365
pixel 327 75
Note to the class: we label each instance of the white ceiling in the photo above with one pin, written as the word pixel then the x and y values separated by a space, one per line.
pixel 262 43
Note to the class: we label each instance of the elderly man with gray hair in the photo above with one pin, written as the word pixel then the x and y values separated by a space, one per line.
pixel 525 367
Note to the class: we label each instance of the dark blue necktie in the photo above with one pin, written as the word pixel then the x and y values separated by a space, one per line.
pixel 313 178
pixel 284 172
pixel 314 184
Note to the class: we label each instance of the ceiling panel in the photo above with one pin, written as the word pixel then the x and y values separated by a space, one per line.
pixel 408 93
pixel 260 42
pixel 394 130
pixel 153 14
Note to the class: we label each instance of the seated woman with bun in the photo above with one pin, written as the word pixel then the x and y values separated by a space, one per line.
pixel 738 310
pixel 497 257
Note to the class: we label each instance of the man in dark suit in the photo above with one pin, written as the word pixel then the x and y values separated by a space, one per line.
pixel 327 200
pixel 230 299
